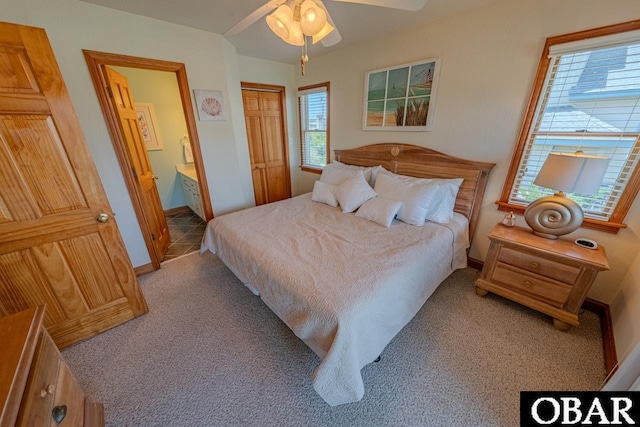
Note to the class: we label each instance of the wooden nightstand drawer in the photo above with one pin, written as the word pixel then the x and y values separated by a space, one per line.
pixel 538 287
pixel 41 389
pixel 551 276
pixel 42 385
pixel 70 394
pixel 546 267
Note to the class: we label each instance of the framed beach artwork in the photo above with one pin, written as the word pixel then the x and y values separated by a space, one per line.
pixel 210 104
pixel 401 98
pixel 148 126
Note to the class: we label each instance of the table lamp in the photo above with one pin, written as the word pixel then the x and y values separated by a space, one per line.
pixel 556 215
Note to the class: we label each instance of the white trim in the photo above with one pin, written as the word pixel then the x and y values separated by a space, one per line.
pixel 618 39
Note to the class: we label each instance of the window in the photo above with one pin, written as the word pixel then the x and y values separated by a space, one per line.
pixel 313 102
pixel 586 97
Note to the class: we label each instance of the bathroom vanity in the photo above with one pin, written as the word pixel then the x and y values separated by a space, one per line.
pixel 191 188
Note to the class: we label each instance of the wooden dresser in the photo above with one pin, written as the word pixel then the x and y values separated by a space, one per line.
pixel 36 386
pixel 551 276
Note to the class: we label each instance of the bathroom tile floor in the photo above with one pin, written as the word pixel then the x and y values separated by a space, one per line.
pixel 186 229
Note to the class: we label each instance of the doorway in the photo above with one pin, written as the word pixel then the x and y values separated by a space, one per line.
pixel 97 63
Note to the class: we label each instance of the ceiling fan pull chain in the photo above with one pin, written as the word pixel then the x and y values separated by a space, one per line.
pixel 305 57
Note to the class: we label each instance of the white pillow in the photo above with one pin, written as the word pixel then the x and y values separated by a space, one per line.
pixel 336 175
pixel 323 193
pixel 379 210
pixel 370 173
pixel 447 193
pixel 419 197
pixel 352 193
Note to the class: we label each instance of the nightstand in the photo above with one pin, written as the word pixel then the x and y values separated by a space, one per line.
pixel 550 276
pixel 37 387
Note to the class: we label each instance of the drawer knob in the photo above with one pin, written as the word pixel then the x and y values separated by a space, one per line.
pixel 527 283
pixel 48 390
pixel 535 265
pixel 58 413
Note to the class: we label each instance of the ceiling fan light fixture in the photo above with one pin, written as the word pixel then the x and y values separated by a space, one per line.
pixel 296 36
pixel 312 18
pixel 280 21
pixel 326 29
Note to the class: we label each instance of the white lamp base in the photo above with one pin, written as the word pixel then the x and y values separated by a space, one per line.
pixel 553 216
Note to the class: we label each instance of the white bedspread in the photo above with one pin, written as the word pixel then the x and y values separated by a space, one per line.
pixel 343 284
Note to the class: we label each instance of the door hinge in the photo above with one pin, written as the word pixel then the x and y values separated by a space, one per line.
pixel 153 236
pixel 133 171
pixel 109 91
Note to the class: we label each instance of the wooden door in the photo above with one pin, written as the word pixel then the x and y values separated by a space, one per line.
pixel 264 121
pixel 253 123
pixel 139 163
pixel 59 243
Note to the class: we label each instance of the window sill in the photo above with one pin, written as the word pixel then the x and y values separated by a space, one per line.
pixel 606 227
pixel 312 169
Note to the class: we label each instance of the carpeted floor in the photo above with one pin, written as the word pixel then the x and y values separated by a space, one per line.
pixel 209 353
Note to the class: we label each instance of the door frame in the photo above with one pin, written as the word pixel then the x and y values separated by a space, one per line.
pixel 281 91
pixel 95 60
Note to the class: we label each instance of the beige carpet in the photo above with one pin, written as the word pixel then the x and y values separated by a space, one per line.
pixel 209 353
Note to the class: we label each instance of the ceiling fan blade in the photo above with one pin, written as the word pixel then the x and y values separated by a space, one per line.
pixel 253 17
pixel 334 36
pixel 412 5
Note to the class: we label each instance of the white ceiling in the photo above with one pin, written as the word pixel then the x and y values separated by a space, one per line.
pixel 356 23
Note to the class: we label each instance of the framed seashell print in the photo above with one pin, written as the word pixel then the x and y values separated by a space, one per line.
pixel 210 104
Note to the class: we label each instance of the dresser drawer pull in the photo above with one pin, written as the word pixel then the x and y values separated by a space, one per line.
pixel 58 413
pixel 535 265
pixel 527 283
pixel 48 390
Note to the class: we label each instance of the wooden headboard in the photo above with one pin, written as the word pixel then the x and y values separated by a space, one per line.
pixel 420 162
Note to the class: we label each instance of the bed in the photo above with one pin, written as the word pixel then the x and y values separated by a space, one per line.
pixel 343 284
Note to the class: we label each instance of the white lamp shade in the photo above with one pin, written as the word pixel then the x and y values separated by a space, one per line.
pixel 323 33
pixel 572 173
pixel 280 21
pixel 312 18
pixel 296 37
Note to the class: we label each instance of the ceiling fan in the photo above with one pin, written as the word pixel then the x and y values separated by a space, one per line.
pixel 296 20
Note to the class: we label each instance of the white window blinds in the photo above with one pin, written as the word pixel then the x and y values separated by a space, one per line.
pixel 314 114
pixel 590 101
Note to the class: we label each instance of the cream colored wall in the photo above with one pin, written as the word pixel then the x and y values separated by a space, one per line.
pixel 236 114
pixel 625 310
pixel 489 59
pixel 253 70
pixel 73 25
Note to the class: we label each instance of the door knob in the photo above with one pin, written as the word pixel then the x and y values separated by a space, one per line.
pixel 102 217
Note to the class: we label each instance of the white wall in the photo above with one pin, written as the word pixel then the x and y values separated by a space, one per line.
pixel 236 115
pixel 253 70
pixel 73 26
pixel 625 310
pixel 160 88
pixel 489 59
